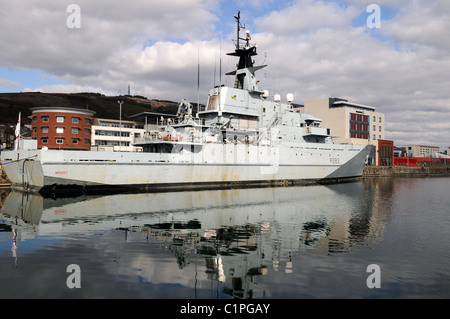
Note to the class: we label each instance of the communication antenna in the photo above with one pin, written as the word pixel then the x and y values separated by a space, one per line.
pixel 239 27
pixel 215 67
pixel 265 58
pixel 198 80
pixel 220 63
pixel 277 81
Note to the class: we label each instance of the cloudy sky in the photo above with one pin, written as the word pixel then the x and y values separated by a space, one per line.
pixel 314 49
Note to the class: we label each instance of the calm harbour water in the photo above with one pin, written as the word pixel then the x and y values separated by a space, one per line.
pixel 279 243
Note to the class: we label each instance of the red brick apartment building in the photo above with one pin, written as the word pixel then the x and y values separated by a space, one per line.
pixel 62 127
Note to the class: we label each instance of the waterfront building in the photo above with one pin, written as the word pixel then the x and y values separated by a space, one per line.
pixel 354 123
pixel 348 122
pixel 62 127
pixel 385 152
pixel 116 135
pixel 421 150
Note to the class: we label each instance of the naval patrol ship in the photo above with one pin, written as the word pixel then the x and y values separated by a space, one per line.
pixel 241 138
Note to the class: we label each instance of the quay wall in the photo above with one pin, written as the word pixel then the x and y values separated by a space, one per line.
pixel 405 171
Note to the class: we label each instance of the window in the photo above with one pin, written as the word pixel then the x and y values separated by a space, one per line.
pixel 379 119
pixel 74 141
pixel 379 137
pixel 374 137
pixel 74 130
pixel 60 119
pixel 45 140
pixel 34 129
pixel 87 141
pixel 359 126
pixel 87 121
pixel 45 129
pixel 374 119
pixel 59 140
pixel 87 131
pixel 374 127
pixel 75 120
pixel 59 130
pixel 34 119
pixel 45 119
pixel 379 128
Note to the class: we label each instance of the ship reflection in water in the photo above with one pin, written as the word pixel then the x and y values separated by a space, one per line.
pixel 245 243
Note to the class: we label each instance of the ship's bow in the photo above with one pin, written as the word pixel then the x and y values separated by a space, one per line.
pixel 354 167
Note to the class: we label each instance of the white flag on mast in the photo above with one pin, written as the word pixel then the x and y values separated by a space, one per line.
pixel 16 142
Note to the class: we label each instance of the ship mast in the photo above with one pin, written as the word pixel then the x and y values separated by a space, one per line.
pixel 245 54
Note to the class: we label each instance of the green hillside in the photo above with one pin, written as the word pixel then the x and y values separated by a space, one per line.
pixel 104 106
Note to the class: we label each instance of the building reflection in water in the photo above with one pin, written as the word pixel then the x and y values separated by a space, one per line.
pixel 238 235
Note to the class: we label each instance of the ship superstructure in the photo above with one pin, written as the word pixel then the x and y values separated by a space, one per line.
pixel 242 137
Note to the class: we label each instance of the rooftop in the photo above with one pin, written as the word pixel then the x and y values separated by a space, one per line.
pixel 353 105
pixel 61 109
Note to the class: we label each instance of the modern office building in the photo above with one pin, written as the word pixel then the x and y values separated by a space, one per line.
pixel 348 122
pixel 116 135
pixel 62 127
pixel 421 150
pixel 354 123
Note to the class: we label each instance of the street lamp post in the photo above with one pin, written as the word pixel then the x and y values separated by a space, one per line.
pixel 120 125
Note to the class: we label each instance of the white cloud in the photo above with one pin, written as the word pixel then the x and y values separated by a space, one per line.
pixel 9 84
pixel 422 26
pixel 306 15
pixel 70 88
pixel 40 38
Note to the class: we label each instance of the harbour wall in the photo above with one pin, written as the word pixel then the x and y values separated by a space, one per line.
pixel 405 171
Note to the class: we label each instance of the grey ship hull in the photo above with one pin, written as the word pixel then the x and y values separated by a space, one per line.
pixel 216 166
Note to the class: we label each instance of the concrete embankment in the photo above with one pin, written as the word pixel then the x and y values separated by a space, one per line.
pixel 404 171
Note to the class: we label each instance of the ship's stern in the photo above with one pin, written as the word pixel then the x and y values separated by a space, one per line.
pixel 23 167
